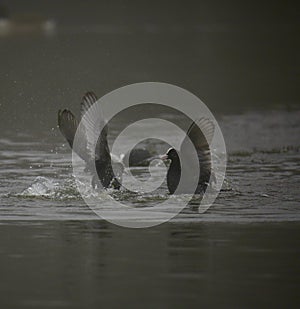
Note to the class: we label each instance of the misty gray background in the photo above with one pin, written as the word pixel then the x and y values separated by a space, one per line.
pixel 234 55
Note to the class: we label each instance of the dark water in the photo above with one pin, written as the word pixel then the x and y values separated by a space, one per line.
pixel 76 264
pixel 243 252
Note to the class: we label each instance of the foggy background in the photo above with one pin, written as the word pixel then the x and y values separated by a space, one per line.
pixel 234 55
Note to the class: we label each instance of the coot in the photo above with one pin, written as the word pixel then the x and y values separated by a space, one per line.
pixel 200 134
pixel 68 125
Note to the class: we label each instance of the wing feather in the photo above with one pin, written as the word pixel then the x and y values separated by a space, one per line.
pixel 201 133
pixel 68 126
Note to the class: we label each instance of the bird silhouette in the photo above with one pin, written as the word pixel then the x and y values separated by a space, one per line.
pixel 100 156
pixel 200 133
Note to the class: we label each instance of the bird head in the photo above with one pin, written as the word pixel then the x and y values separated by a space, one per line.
pixel 171 154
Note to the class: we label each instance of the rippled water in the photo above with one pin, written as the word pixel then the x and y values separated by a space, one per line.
pixel 262 182
pixel 79 264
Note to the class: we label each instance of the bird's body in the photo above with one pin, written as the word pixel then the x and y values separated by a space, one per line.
pixel 203 174
pixel 174 172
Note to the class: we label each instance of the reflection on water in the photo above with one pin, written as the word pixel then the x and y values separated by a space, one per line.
pixel 76 264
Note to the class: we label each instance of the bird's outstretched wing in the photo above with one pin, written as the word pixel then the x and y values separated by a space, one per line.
pixel 97 129
pixel 93 120
pixel 91 138
pixel 87 132
pixel 201 133
pixel 68 125
pixel 87 101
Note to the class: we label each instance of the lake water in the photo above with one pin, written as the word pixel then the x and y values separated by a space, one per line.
pixel 261 185
pixel 242 252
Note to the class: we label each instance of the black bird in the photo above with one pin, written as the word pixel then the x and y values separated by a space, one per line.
pixel 201 144
pixel 68 125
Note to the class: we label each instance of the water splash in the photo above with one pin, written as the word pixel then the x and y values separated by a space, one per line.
pixel 44 187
